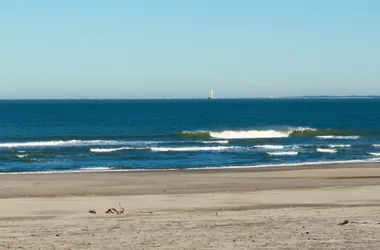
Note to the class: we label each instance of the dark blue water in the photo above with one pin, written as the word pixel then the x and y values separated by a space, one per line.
pixel 177 134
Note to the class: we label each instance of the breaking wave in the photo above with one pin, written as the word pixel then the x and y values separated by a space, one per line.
pixel 326 150
pixel 162 149
pixel 204 137
pixel 375 154
pixel 250 134
pixel 270 146
pixel 57 143
pixel 283 153
pixel 22 156
pixel 339 137
pixel 243 134
pixel 272 133
pixel 215 142
pixel 108 150
pixel 186 149
pixel 339 145
pixel 78 143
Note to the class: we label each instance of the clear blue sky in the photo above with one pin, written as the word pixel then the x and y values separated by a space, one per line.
pixel 155 49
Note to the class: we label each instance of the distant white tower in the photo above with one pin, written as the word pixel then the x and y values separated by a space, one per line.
pixel 211 94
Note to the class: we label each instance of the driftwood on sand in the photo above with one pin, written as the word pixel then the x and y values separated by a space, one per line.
pixel 115 211
pixel 344 223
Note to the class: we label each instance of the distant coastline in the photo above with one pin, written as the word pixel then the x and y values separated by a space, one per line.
pixel 339 97
pixel 200 98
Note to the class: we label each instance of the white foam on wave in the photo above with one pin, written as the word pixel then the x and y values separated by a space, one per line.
pixel 22 156
pixel 185 149
pixel 73 143
pixel 94 169
pixel 250 134
pixel 376 145
pixel 214 142
pixel 270 146
pixel 339 137
pixel 257 134
pixel 283 153
pixel 375 153
pixel 326 150
pixel 58 143
pixel 37 144
pixel 162 149
pixel 314 163
pixel 106 169
pixel 339 145
pixel 108 150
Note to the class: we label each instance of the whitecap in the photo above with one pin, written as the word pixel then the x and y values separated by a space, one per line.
pixel 338 137
pixel 184 149
pixel 250 134
pixel 375 154
pixel 270 146
pixel 283 153
pixel 215 142
pixel 108 150
pixel 69 143
pixel 326 150
pixel 339 145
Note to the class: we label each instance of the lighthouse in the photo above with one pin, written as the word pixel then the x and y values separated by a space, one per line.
pixel 211 94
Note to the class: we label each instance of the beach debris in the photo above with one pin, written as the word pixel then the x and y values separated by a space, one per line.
pixel 92 211
pixel 344 223
pixel 357 222
pixel 112 211
pixel 121 209
pixel 115 211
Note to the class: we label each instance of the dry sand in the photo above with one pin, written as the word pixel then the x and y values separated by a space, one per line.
pixel 287 208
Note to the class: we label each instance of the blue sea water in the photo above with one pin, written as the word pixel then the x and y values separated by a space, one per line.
pixel 96 135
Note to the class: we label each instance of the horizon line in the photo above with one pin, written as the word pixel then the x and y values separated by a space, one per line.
pixel 194 98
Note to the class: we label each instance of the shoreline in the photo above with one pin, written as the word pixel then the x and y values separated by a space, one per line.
pixel 113 183
pixel 255 168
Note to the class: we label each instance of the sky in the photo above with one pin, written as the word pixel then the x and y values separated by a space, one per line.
pixel 181 49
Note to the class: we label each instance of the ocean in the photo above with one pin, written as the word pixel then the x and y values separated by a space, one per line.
pixel 115 135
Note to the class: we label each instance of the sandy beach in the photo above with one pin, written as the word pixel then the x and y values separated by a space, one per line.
pixel 257 208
